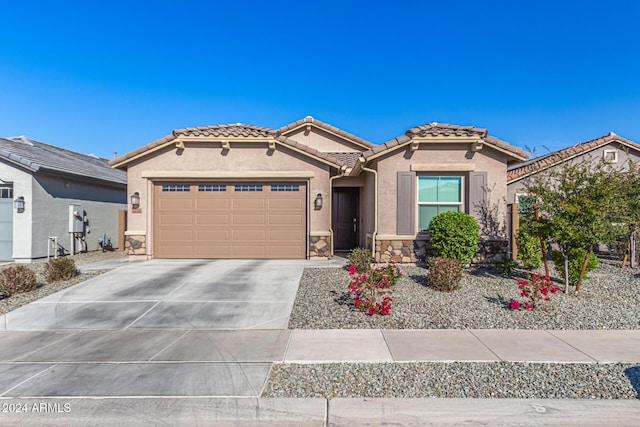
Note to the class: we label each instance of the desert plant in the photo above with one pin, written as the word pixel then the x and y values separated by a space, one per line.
pixel 59 269
pixel 529 249
pixel 360 258
pixel 576 260
pixel 371 290
pixel 17 280
pixel 536 291
pixel 506 266
pixel 454 235
pixel 445 274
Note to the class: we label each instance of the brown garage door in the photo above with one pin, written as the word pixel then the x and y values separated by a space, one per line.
pixel 230 220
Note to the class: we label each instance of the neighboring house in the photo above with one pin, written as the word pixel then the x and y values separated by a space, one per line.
pixel 611 148
pixel 48 192
pixel 307 189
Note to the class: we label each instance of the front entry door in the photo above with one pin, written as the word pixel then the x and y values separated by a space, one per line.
pixel 345 218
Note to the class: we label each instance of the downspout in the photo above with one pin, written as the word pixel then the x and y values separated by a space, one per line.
pixel 375 209
pixel 343 171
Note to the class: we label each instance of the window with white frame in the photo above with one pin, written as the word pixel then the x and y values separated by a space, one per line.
pixel 610 156
pixel 437 194
pixel 6 192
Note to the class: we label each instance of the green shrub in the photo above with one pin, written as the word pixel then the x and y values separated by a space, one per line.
pixel 445 274
pixel 17 280
pixel 576 259
pixel 361 258
pixel 454 235
pixel 506 266
pixel 529 249
pixel 59 269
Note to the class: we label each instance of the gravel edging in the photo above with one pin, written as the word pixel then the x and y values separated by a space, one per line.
pixel 455 380
pixel 610 299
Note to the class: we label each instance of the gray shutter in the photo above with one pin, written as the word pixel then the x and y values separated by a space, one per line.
pixel 477 194
pixel 406 203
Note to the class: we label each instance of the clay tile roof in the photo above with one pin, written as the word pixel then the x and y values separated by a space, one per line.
pixel 229 130
pixel 446 129
pixel 347 159
pixel 325 126
pixel 545 161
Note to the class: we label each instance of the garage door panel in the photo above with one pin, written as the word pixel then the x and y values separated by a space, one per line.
pixel 176 251
pixel 257 236
pixel 230 224
pixel 213 219
pixel 178 235
pixel 239 251
pixel 212 251
pixel 217 204
pixel 248 220
pixel 284 235
pixel 248 204
pixel 285 220
pixel 281 204
pixel 176 219
pixel 213 236
pixel 176 204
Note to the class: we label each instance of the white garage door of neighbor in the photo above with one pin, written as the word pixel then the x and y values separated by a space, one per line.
pixel 229 220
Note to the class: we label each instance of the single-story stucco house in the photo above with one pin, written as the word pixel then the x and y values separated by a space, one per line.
pixel 611 148
pixel 307 189
pixel 54 200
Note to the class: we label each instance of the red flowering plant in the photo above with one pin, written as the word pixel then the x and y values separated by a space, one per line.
pixel 371 289
pixel 536 291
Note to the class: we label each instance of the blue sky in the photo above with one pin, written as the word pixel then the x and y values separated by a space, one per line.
pixel 99 77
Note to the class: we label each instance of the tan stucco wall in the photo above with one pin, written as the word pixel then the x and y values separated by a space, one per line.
pixel 209 157
pixel 323 141
pixel 486 160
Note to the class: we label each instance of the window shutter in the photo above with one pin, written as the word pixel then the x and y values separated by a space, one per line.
pixel 406 203
pixel 477 194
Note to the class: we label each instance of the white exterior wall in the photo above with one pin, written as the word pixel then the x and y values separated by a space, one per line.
pixel 22 186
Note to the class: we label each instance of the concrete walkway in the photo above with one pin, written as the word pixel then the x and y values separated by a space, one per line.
pixel 61 366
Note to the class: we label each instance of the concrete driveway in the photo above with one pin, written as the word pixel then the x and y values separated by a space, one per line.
pixel 173 328
pixel 173 294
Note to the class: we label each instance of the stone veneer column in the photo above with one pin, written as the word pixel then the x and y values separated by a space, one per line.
pixel 320 246
pixel 135 245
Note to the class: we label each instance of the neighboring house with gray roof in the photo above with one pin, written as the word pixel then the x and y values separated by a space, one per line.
pixel 42 186
pixel 308 189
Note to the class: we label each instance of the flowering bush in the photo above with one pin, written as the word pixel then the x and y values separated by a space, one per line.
pixel 536 291
pixel 371 289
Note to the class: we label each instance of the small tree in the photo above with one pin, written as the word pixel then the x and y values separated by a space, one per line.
pixel 574 201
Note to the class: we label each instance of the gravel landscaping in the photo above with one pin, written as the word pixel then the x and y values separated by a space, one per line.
pixel 610 299
pixel 45 289
pixel 455 380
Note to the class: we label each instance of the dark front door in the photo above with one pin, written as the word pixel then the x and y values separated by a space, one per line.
pixel 345 218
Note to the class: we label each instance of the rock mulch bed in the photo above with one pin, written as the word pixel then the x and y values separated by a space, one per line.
pixel 610 299
pixel 455 380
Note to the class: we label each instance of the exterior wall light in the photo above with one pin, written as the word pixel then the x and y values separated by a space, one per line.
pixel 135 200
pixel 317 203
pixel 19 204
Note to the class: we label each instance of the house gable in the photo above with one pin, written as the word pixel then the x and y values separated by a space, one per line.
pixel 584 149
pixel 324 137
